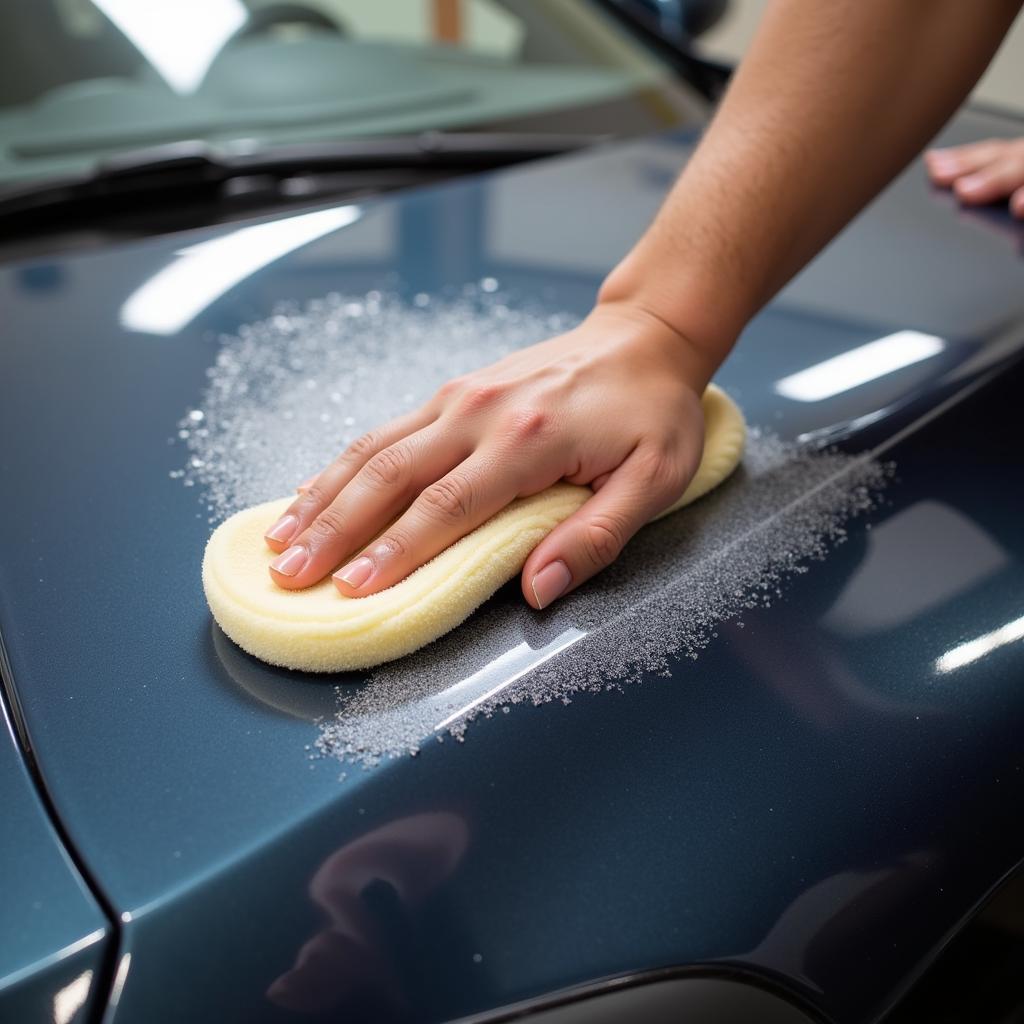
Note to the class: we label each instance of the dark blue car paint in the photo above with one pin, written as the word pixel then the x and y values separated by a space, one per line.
pixel 54 935
pixel 819 807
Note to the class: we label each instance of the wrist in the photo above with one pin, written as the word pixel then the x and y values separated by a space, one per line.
pixel 687 299
pixel 635 323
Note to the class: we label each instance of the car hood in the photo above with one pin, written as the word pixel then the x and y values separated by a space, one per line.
pixel 810 799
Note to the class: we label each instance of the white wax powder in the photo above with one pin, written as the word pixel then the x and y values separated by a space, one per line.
pixel 287 394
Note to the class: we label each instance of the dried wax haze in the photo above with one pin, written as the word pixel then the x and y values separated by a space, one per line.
pixel 287 394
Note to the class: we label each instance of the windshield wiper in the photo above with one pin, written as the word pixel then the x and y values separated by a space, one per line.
pixel 143 175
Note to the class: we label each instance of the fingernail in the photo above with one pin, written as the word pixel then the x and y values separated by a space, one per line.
pixel 283 529
pixel 551 582
pixel 970 184
pixel 356 573
pixel 292 561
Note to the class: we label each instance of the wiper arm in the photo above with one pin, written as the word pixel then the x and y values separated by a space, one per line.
pixel 199 164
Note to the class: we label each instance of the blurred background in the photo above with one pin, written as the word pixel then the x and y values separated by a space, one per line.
pixel 1002 86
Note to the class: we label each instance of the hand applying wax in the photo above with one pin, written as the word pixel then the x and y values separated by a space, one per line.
pixel 614 403
pixel 830 103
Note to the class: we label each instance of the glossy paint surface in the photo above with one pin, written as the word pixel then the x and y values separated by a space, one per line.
pixel 813 797
pixel 54 935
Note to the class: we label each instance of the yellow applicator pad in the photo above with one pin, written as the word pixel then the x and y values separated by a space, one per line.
pixel 318 630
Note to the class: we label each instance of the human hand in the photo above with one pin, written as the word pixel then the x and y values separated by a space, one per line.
pixel 613 403
pixel 982 172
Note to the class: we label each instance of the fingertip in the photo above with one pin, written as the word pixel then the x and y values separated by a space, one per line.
pixel 541 555
pixel 971 188
pixel 527 591
pixel 941 164
pixel 354 576
pixel 282 581
pixel 942 176
pixel 281 532
pixel 549 583
pixel 289 568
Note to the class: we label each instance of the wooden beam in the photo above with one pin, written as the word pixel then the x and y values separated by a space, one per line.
pixel 447 21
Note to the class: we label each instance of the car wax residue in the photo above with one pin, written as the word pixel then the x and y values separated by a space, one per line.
pixel 677 582
pixel 286 394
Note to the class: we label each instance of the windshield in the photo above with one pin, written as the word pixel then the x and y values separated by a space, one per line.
pixel 81 80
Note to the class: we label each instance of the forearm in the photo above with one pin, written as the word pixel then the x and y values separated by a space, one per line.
pixel 831 101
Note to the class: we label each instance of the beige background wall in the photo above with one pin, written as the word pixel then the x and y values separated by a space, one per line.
pixel 488 28
pixel 1003 84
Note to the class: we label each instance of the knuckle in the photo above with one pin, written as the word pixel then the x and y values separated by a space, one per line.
pixel 450 388
pixel 362 447
pixel 603 539
pixel 316 497
pixel 449 500
pixel 393 545
pixel 528 424
pixel 389 467
pixel 661 471
pixel 330 523
pixel 479 397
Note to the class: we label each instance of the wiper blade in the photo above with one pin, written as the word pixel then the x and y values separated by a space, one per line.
pixel 203 165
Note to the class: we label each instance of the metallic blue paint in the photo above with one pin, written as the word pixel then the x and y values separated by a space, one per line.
pixel 811 799
pixel 54 935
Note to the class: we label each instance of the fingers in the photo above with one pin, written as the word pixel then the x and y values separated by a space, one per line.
pixel 645 484
pixel 946 165
pixel 981 173
pixel 445 512
pixel 317 492
pixel 1017 203
pixel 377 493
pixel 996 181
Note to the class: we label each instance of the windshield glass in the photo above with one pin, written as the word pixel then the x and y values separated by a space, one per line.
pixel 83 79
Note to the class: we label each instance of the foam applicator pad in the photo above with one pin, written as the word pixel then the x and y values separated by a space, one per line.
pixel 319 630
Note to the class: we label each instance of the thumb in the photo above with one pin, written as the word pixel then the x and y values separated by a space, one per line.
pixel 593 537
